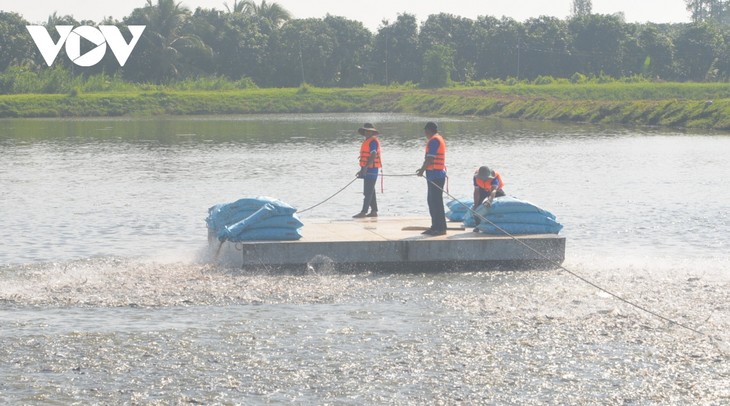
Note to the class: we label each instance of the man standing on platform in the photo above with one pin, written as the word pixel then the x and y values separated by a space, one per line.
pixel 370 165
pixel 434 165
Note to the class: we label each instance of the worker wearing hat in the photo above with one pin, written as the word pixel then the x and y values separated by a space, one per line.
pixel 488 184
pixel 370 165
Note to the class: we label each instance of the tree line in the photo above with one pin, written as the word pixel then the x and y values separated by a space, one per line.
pixel 261 42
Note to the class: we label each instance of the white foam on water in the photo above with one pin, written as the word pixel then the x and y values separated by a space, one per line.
pixel 530 336
pixel 111 282
pixel 693 292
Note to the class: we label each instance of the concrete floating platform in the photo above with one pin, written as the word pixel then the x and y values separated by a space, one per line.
pixel 392 245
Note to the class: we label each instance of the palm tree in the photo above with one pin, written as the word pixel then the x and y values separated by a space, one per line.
pixel 55 19
pixel 272 12
pixel 166 18
pixel 240 7
pixel 167 43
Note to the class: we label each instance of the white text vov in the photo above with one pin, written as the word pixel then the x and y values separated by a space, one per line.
pixel 101 37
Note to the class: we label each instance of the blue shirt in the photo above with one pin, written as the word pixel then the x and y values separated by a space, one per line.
pixel 372 173
pixel 433 150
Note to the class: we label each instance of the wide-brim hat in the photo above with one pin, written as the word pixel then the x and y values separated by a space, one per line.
pixel 367 127
pixel 484 173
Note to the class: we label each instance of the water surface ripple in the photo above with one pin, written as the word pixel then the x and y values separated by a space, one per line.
pixel 104 298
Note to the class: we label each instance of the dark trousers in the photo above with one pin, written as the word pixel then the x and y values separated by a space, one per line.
pixel 436 204
pixel 370 201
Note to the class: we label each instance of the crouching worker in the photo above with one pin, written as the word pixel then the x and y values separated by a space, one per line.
pixel 488 184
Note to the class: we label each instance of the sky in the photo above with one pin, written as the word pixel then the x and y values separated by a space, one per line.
pixel 371 12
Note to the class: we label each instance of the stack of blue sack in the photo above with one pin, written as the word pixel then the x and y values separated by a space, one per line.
pixel 515 217
pixel 457 211
pixel 254 219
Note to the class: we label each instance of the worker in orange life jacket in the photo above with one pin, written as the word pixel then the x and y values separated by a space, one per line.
pixel 488 184
pixel 370 165
pixel 434 166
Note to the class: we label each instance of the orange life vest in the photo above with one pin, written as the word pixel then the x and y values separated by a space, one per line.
pixel 487 184
pixel 365 153
pixel 439 162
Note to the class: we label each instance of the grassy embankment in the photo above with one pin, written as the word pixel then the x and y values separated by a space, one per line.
pixel 688 105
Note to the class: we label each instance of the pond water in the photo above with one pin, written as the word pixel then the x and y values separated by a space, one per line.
pixel 104 297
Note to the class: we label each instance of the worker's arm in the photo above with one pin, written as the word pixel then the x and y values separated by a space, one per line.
pixel 426 163
pixel 477 195
pixel 492 195
pixel 496 186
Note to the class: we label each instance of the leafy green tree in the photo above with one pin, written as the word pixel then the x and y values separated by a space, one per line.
pixel 332 51
pixel 582 8
pixel 723 58
pixel 239 7
pixel 62 59
pixel 657 52
pixel 598 44
pixel 455 33
pixel 396 56
pixel 258 40
pixel 498 52
pixel 273 12
pixel 302 53
pixel 108 64
pixel 698 47
pixel 717 11
pixel 238 43
pixel 16 46
pixel 166 51
pixel 350 58
pixel 545 48
pixel 485 63
pixel 438 63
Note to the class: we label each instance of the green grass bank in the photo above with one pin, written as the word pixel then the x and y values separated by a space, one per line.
pixel 678 105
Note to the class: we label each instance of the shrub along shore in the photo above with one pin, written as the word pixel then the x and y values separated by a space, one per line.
pixel 676 105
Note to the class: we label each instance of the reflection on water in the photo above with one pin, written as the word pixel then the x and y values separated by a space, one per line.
pixel 102 299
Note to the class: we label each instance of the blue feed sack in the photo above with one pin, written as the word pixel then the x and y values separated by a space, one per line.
pixel 230 232
pixel 517 228
pixel 236 221
pixel 222 215
pixel 457 216
pixel 460 206
pixel 469 220
pixel 291 222
pixel 507 204
pixel 255 203
pixel 264 213
pixel 521 218
pixel 514 216
pixel 269 234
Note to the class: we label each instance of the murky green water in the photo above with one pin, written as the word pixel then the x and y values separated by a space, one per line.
pixel 103 298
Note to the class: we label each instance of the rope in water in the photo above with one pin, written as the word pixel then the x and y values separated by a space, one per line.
pixel 560 266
